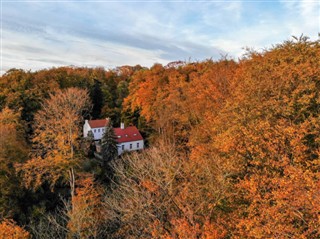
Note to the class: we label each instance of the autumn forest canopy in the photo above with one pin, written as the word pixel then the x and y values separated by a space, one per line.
pixel 233 149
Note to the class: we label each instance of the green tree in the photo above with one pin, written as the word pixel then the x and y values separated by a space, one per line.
pixel 123 92
pixel 109 148
pixel 97 99
pixel 13 149
pixel 109 152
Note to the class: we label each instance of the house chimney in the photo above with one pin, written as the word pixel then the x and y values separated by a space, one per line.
pixel 122 125
pixel 86 121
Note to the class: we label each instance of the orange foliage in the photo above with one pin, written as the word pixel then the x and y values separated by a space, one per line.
pixel 10 230
pixel 251 130
pixel 174 99
pixel 87 213
pixel 56 140
pixel 271 134
pixel 182 229
pixel 150 186
pixel 238 151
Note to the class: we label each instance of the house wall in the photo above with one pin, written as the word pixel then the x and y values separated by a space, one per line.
pixel 97 133
pixel 126 146
pixel 86 128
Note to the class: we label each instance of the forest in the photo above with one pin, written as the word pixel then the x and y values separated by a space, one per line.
pixel 233 149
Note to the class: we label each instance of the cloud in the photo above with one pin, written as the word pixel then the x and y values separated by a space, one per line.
pixel 277 22
pixel 71 51
pixel 304 17
pixel 106 39
pixel 38 35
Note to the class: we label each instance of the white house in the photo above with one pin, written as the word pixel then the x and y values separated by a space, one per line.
pixel 96 126
pixel 128 138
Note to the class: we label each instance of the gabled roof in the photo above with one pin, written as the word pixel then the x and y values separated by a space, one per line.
pixel 128 134
pixel 98 123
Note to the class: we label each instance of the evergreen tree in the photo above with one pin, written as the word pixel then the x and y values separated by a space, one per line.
pixel 109 148
pixel 109 152
pixel 97 99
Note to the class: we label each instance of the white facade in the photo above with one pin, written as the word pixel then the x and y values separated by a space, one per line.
pixel 86 128
pixel 97 132
pixel 129 139
pixel 130 146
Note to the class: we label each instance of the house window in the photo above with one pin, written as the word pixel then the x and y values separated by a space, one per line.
pixel 130 146
pixel 137 145
pixel 122 146
pixel 94 130
pixel 98 130
pixel 102 130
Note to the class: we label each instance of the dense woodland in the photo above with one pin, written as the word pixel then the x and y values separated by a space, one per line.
pixel 233 149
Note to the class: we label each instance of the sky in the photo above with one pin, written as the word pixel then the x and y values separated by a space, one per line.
pixel 44 34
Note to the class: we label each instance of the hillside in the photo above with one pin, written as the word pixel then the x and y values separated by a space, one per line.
pixel 233 152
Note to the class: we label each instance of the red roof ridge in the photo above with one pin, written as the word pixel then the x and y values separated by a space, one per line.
pixel 98 123
pixel 128 134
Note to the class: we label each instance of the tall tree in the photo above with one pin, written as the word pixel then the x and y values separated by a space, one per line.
pixel 109 148
pixel 56 141
pixel 13 149
pixel 88 213
pixel 157 194
pixel 97 99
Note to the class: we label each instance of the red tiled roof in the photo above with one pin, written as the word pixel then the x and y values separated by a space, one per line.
pixel 128 134
pixel 98 123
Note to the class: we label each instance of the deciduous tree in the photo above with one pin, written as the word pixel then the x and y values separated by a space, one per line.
pixel 87 214
pixel 56 141
pixel 13 149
